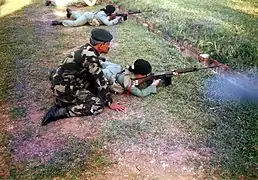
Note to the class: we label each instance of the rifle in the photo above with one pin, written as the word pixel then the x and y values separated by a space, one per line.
pixel 124 15
pixel 166 77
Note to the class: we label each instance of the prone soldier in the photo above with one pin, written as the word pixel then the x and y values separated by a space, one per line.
pixel 70 2
pixel 120 79
pixel 105 16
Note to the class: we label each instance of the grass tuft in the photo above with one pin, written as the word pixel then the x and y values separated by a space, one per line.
pixel 18 112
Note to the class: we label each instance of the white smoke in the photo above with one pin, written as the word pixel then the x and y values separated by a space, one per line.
pixel 232 87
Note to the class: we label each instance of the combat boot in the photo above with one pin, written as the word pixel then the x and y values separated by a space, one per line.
pixel 54 23
pixel 48 2
pixel 55 112
pixel 68 12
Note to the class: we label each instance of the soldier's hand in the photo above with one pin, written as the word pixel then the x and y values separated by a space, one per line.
pixel 156 82
pixel 112 16
pixel 125 17
pixel 116 107
pixel 175 73
pixel 120 19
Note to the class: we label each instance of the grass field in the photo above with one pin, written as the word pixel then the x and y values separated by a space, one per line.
pixel 178 126
pixel 226 29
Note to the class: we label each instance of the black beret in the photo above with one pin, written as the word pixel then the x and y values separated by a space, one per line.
pixel 101 35
pixel 110 9
pixel 141 66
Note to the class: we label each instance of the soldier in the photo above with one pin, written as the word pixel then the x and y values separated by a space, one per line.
pixel 78 83
pixel 121 79
pixel 70 2
pixel 105 16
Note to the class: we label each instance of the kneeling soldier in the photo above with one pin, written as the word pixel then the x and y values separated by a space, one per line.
pixel 79 85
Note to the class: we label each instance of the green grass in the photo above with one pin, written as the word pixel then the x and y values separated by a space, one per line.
pixel 125 131
pixel 234 135
pixel 77 158
pixel 184 106
pixel 6 59
pixel 229 129
pixel 25 46
pixel 18 112
pixel 225 29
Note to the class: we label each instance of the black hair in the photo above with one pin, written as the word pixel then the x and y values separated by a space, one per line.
pixel 109 9
pixel 141 66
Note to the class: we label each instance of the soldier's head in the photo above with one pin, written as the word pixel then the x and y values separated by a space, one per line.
pixel 100 39
pixel 140 67
pixel 109 9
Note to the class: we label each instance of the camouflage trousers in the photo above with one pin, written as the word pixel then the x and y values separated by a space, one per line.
pixel 84 104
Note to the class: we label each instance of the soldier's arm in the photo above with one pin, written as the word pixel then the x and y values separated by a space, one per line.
pixel 105 20
pixel 152 89
pixel 93 66
pixel 101 83
pixel 102 86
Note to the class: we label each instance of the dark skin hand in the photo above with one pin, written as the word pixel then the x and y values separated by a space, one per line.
pixel 112 16
pixel 117 107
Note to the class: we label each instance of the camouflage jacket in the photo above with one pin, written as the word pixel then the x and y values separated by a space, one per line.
pixel 79 71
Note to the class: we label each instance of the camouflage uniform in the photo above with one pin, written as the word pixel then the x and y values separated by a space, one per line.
pixel 78 83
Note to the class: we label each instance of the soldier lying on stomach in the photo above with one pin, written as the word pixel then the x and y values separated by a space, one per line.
pixel 105 16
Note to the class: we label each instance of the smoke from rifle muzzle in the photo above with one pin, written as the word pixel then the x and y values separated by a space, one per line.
pixel 229 87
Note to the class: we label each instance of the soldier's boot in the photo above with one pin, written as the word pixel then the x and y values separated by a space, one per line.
pixel 55 112
pixel 68 12
pixel 54 23
pixel 48 2
pixel 50 75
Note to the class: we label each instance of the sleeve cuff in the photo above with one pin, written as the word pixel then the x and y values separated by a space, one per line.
pixel 153 89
